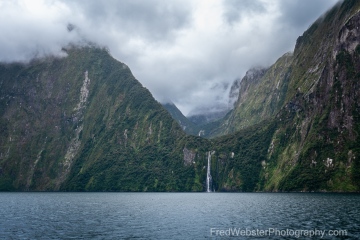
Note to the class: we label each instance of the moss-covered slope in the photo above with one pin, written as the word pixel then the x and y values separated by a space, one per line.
pixel 83 122
pixel 317 144
pixel 313 99
pixel 261 95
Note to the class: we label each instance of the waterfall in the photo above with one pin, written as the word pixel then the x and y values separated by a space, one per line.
pixel 208 175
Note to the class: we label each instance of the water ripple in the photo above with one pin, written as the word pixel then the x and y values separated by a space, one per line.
pixel 172 215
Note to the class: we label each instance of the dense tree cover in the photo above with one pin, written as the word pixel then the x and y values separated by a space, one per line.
pixel 84 123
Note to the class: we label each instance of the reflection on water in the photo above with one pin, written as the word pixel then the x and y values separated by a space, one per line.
pixel 174 215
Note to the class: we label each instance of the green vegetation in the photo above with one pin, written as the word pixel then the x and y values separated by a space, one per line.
pixel 84 123
pixel 262 94
pixel 241 172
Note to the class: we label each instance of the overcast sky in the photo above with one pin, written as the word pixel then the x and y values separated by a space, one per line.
pixel 185 51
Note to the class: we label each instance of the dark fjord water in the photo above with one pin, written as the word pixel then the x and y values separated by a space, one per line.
pixel 178 215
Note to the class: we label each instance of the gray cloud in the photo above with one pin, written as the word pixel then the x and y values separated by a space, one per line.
pixel 302 13
pixel 151 19
pixel 182 50
pixel 234 10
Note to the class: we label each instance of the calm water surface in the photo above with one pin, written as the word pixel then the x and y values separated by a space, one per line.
pixel 177 215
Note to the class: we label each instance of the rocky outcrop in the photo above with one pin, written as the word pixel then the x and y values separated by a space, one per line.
pixel 261 95
pixel 61 131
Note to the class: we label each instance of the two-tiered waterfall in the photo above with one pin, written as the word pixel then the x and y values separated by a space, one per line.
pixel 208 175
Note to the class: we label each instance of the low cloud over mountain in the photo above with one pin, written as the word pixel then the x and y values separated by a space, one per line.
pixel 179 50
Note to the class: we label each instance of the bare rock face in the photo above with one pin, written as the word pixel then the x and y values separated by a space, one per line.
pixel 349 35
pixel 189 156
pixel 62 131
pixel 260 95
pixel 295 125
pixel 252 77
pixel 313 97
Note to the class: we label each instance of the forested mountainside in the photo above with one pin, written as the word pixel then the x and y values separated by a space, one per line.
pixel 188 126
pixel 317 145
pixel 261 95
pixel 84 123
pixel 312 96
pixel 201 128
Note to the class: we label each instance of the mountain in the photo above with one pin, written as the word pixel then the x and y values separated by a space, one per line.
pixel 196 125
pixel 261 95
pixel 316 147
pixel 312 98
pixel 234 92
pixel 207 117
pixel 188 126
pixel 202 121
pixel 83 122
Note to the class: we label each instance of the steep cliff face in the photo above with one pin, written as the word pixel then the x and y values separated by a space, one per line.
pixel 261 95
pixel 188 126
pixel 83 122
pixel 317 144
pixel 306 107
pixel 42 112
